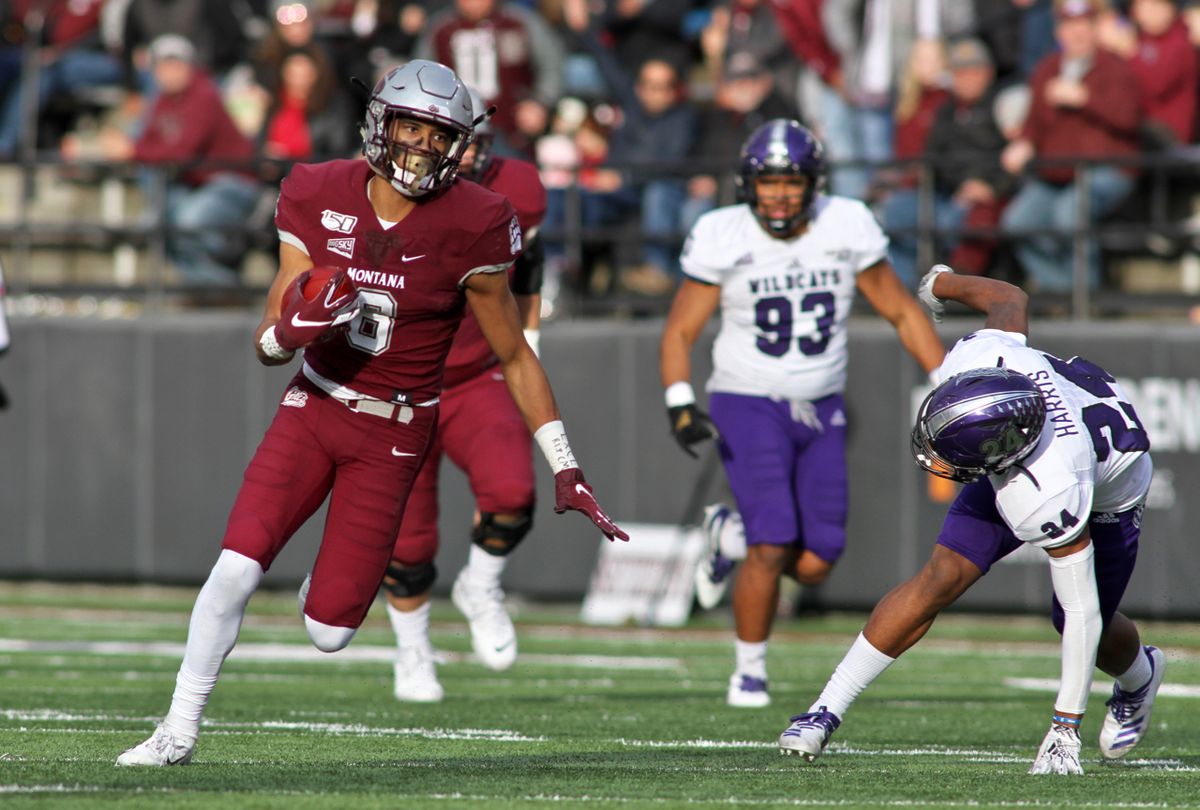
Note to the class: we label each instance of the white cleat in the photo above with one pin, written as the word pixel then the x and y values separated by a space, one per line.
pixel 416 677
pixel 714 570
pixel 493 636
pixel 809 733
pixel 161 749
pixel 1059 753
pixel 747 691
pixel 1128 717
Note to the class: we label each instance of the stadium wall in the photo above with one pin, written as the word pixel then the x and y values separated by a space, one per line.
pixel 125 442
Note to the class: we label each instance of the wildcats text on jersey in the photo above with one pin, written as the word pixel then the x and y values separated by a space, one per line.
pixel 803 280
pixel 1056 410
pixel 375 278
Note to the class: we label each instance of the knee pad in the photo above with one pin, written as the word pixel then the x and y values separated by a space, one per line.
pixel 326 637
pixel 404 581
pixel 499 539
pixel 235 575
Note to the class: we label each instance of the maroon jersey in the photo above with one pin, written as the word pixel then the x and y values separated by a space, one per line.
pixel 411 275
pixel 520 183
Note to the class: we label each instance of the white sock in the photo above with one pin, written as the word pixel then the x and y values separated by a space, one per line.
pixel 483 570
pixel 1138 674
pixel 751 657
pixel 212 632
pixel 411 627
pixel 861 665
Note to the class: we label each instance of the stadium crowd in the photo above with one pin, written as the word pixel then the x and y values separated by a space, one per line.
pixel 634 111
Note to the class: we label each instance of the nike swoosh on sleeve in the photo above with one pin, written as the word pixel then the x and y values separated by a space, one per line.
pixel 300 323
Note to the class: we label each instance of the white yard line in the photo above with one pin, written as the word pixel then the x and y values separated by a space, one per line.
pixel 353 654
pixel 1104 688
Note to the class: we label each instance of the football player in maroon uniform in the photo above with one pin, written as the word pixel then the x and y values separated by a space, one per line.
pixel 356 422
pixel 481 430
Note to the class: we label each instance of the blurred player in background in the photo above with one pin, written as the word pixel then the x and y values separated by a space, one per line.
pixel 783 267
pixel 413 248
pixel 481 430
pixel 1052 454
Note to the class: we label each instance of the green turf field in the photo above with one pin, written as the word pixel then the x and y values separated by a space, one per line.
pixel 588 717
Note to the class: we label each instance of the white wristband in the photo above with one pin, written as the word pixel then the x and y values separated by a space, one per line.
pixel 270 345
pixel 679 393
pixel 552 438
pixel 533 338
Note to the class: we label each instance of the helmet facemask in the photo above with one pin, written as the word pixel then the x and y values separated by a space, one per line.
pixel 411 169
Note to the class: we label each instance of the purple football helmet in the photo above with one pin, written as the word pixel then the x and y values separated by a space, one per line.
pixel 978 422
pixel 781 147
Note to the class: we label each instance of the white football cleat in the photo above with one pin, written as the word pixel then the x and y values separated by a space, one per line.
pixel 162 748
pixel 715 569
pixel 1128 717
pixel 1059 753
pixel 416 677
pixel 747 691
pixel 809 733
pixel 493 636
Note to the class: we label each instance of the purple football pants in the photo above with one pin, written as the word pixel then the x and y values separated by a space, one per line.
pixel 788 476
pixel 974 528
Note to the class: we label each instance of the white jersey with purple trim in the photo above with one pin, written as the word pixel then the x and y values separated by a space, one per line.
pixel 1092 454
pixel 784 302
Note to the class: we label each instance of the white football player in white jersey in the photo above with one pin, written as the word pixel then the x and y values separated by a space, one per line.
pixel 1053 455
pixel 783 267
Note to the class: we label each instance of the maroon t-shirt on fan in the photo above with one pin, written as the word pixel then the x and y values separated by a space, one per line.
pixel 410 275
pixel 519 182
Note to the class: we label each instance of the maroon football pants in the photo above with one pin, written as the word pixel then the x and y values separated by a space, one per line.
pixel 317 447
pixel 483 433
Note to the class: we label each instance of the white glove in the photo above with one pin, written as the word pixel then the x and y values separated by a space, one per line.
pixel 925 292
pixel 1059 753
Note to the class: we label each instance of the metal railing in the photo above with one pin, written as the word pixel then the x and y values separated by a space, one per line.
pixel 134 237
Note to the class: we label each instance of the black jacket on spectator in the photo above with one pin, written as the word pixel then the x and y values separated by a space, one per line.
pixel 965 143
pixel 655 30
pixel 722 133
pixel 643 138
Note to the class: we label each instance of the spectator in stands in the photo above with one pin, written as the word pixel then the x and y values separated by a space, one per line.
pixel 656 129
pixel 921 92
pixel 874 38
pixel 800 23
pixel 1160 52
pixel 211 26
pixel 205 206
pixel 745 97
pixel 640 28
pixel 970 186
pixel 71 59
pixel 510 55
pixel 751 26
pixel 308 117
pixel 1084 105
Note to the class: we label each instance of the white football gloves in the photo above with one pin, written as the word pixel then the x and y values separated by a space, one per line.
pixel 936 306
pixel 1059 753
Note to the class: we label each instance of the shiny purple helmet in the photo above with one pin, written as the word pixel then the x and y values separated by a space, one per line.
pixel 781 147
pixel 978 422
